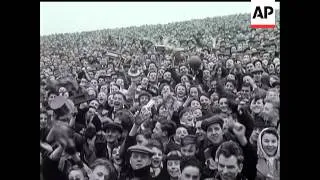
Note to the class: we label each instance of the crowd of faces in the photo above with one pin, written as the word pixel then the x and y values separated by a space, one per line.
pixel 239 75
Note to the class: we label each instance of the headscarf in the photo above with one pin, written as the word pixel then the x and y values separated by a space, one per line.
pixel 270 160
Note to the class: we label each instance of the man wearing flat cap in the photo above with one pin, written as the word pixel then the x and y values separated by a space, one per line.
pixel 140 162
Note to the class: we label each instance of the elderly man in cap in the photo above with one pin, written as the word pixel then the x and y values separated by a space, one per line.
pixel 140 162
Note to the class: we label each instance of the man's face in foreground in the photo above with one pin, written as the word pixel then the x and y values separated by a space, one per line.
pixel 228 167
pixel 190 173
pixel 139 160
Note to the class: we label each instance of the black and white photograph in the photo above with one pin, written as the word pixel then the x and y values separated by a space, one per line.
pixel 158 91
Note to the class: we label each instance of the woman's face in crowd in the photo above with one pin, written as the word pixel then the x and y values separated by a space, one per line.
pixel 194 92
pixel 157 157
pixel 197 113
pixel 258 65
pixel 116 155
pixel 195 104
pixel 76 175
pixel 272 95
pixel 167 76
pixel 223 105
pixel 43 120
pixel 139 160
pixel 110 100
pixel 271 68
pixel 118 100
pixel 120 82
pixel 256 106
pixel 204 101
pixel 102 97
pixel 269 144
pixel 152 77
pixel 181 91
pixel 181 132
pixel 214 133
pixel 173 168
pixel 91 112
pixel 267 108
pixel 187 119
pixel 100 173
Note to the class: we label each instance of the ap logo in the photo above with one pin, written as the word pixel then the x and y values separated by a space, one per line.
pixel 263 14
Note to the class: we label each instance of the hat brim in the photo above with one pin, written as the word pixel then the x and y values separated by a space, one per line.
pixel 206 124
pixel 141 151
pixel 133 74
pixel 113 126
pixel 257 71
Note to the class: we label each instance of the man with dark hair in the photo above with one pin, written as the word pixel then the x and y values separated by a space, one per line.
pixel 229 157
pixel 246 90
pixel 164 130
pixel 190 169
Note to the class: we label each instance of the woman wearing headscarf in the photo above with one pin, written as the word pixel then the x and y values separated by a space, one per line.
pixel 268 151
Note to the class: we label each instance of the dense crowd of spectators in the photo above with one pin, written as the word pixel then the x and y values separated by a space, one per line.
pixel 197 99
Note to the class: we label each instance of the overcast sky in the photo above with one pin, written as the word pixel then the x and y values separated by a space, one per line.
pixel 62 17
